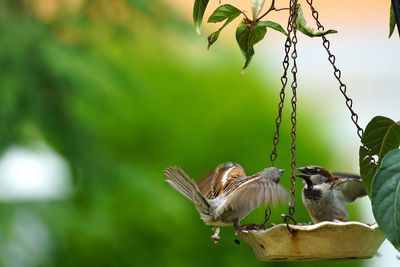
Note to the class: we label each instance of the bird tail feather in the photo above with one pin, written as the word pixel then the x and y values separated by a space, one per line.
pixel 182 183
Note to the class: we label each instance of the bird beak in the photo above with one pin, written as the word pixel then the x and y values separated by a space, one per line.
pixel 281 171
pixel 305 170
pixel 305 176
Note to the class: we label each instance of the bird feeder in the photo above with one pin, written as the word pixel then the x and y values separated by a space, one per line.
pixel 324 240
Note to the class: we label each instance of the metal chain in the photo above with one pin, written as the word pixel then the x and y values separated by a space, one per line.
pixel 267 216
pixel 287 218
pixel 291 40
pixel 337 72
pixel 284 80
pixel 293 11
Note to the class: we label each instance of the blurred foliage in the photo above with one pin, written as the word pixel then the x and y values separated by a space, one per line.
pixel 123 89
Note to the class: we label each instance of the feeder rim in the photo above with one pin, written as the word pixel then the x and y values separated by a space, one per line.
pixel 312 227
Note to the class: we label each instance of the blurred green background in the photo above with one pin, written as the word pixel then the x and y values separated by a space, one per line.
pixel 121 90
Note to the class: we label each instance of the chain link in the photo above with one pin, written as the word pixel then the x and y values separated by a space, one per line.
pixel 267 216
pixel 292 203
pixel 284 80
pixel 291 41
pixel 337 72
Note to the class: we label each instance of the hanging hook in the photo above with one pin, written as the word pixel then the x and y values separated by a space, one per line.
pixel 287 219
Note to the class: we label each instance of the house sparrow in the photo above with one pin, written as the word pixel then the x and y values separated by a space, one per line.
pixel 227 195
pixel 325 194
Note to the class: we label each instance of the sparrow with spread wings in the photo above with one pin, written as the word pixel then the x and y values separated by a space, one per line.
pixel 227 195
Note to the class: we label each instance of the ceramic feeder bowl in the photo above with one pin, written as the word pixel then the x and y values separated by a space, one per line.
pixel 322 241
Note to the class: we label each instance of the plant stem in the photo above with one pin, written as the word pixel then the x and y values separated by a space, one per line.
pixel 280 9
pixel 244 14
pixel 271 8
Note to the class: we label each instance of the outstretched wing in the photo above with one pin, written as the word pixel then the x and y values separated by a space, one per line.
pixel 252 192
pixel 338 175
pixel 212 185
pixel 349 189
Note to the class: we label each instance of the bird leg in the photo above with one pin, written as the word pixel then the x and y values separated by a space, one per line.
pixel 215 237
pixel 239 228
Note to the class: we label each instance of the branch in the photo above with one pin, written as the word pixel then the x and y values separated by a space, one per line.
pixel 273 8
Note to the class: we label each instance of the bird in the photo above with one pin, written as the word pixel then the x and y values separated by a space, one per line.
pixel 324 194
pixel 227 194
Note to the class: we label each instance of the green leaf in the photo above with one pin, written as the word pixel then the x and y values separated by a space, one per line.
pixel 386 197
pixel 273 25
pixel 381 135
pixel 302 26
pixel 367 168
pixel 256 7
pixel 212 38
pixel 225 12
pixel 247 35
pixel 392 21
pixel 198 12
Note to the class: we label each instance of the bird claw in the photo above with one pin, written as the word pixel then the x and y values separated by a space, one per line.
pixel 243 230
pixel 305 224
pixel 215 236
pixel 252 227
pixel 246 228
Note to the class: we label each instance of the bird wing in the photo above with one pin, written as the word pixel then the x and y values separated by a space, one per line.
pixel 338 175
pixel 212 185
pixel 251 192
pixel 349 189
